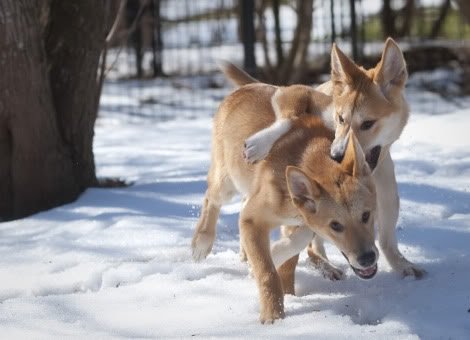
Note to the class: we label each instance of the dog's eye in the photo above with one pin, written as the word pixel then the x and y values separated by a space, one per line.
pixel 336 226
pixel 366 125
pixel 365 217
pixel 341 119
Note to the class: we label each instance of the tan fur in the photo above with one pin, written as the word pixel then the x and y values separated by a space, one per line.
pixel 298 183
pixel 234 74
pixel 358 96
pixel 296 100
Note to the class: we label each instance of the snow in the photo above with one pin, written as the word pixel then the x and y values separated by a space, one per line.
pixel 116 263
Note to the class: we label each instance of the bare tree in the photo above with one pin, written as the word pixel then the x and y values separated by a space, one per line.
pixel 436 27
pixel 247 34
pixel 289 67
pixel 391 19
pixel 277 31
pixel 388 19
pixel 49 53
pixel 464 6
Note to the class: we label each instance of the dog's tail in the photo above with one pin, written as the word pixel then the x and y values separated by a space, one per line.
pixel 236 75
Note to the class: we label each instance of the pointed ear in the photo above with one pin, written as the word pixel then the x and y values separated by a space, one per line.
pixel 303 190
pixel 354 161
pixel 343 69
pixel 391 68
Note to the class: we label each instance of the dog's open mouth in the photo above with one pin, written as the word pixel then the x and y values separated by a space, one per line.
pixel 367 273
pixel 372 157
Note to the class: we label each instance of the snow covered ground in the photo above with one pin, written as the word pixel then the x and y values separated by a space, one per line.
pixel 116 263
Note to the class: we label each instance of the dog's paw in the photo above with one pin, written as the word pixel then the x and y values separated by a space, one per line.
pixel 332 273
pixel 201 246
pixel 327 270
pixel 257 148
pixel 269 315
pixel 413 270
pixel 406 268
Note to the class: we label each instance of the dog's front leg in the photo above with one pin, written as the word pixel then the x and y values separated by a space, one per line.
pixel 257 147
pixel 317 255
pixel 293 241
pixel 255 239
pixel 285 253
pixel 388 204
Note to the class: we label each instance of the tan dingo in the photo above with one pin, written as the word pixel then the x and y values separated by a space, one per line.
pixel 368 102
pixel 297 184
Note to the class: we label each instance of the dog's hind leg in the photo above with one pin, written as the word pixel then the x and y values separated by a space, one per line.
pixel 318 258
pixel 287 274
pixel 243 257
pixel 294 239
pixel 220 190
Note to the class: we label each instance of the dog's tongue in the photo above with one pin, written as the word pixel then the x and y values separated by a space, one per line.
pixel 366 272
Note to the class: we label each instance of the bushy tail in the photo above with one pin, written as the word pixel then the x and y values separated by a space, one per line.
pixel 235 74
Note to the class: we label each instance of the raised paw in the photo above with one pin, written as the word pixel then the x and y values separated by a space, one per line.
pixel 332 273
pixel 201 246
pixel 327 270
pixel 257 148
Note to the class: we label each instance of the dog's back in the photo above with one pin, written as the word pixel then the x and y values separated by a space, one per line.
pixel 248 110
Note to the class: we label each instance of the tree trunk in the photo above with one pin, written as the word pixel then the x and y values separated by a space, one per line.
pixel 135 36
pixel 288 68
pixel 388 20
pixel 464 7
pixel 353 30
pixel 436 27
pixel 391 19
pixel 157 40
pixel 333 21
pixel 407 14
pixel 48 99
pixel 261 33
pixel 277 32
pixel 75 38
pixel 247 28
pixel 294 63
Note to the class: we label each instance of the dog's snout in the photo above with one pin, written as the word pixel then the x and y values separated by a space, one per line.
pixel 338 148
pixel 367 259
pixel 337 155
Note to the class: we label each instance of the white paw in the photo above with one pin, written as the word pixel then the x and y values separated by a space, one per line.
pixel 257 148
pixel 411 269
pixel 331 273
pixel 405 268
pixel 201 246
pixel 328 271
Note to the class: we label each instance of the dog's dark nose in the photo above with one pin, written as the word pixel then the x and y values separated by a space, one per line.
pixel 366 259
pixel 337 155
